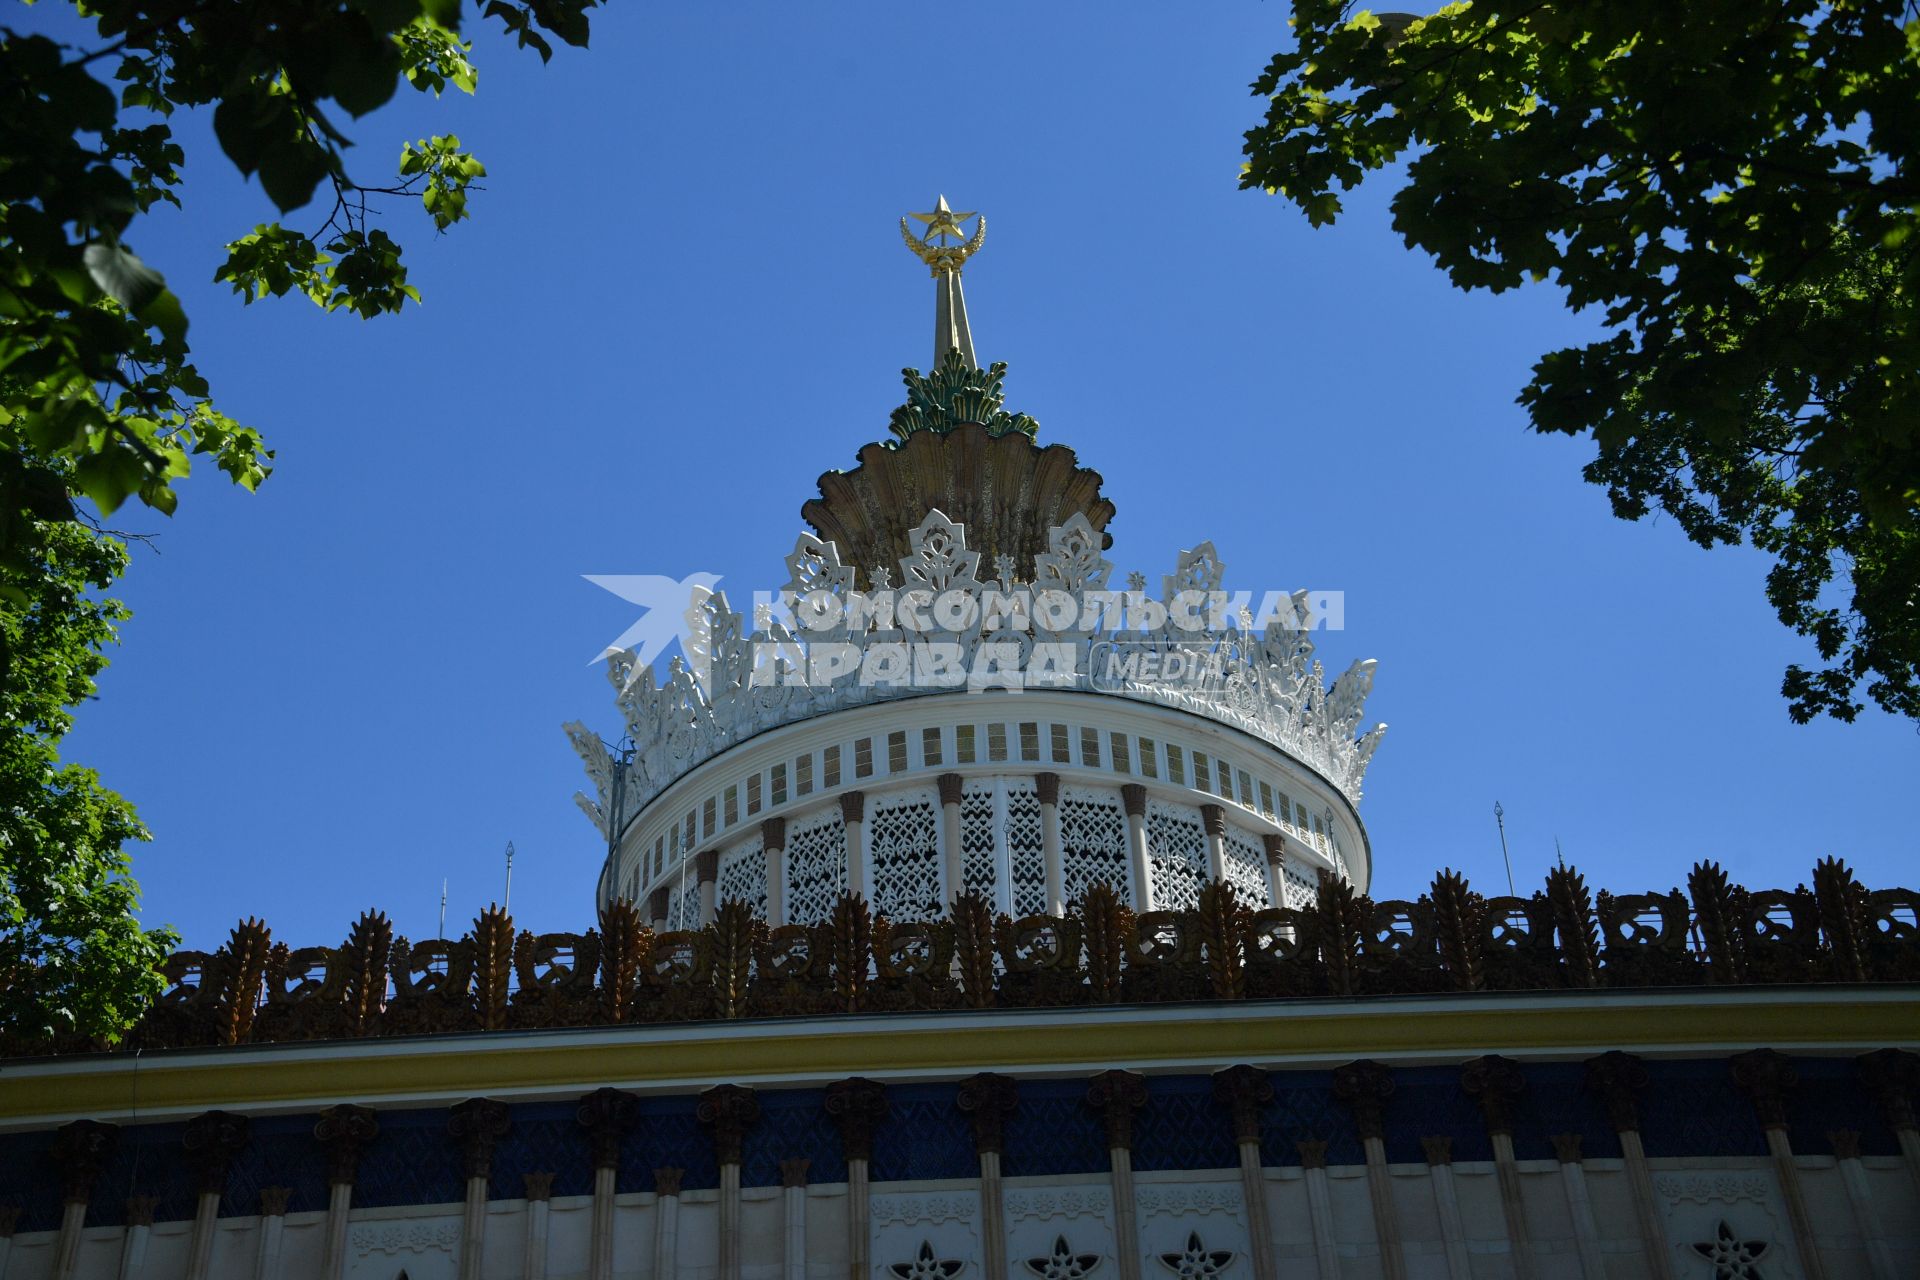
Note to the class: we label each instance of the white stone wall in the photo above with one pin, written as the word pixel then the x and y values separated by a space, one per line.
pixel 1881 1215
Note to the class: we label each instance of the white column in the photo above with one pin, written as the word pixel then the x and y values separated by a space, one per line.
pixel 539 1197
pixel 1586 1230
pixel 859 1215
pixel 793 1209
pixel 1253 1192
pixel 133 1246
pixel 206 1215
pixel 773 839
pixel 706 871
pixel 473 1228
pixel 1846 1154
pixel 1116 1095
pixel 666 1222
pixel 1276 846
pixel 1049 785
pixel 1446 1203
pixel 1513 1204
pixel 853 809
pixel 1135 797
pixel 339 1203
pixel 1313 1162
pixel 273 1222
pixel 1215 819
pixel 951 859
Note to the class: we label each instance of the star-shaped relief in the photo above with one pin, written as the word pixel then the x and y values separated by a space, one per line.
pixel 943 221
pixel 926 1266
pixel 1732 1257
pixel 1198 1260
pixel 1064 1264
pixel 1136 581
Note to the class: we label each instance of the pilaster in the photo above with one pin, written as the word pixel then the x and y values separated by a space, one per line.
pixel 793 1207
pixel 1244 1091
pixel 212 1140
pixel 1365 1086
pixel 773 840
pixel 857 1105
pixel 1496 1084
pixel 729 1111
pixel 1134 796
pixel 988 1099
pixel 607 1115
pixel 1891 1078
pixel 1048 785
pixel 853 812
pixel 1116 1095
pixel 1618 1078
pixel 476 1125
pixel 1446 1203
pixel 954 871
pixel 1215 819
pixel 1767 1078
pixel 343 1132
pixel 539 1191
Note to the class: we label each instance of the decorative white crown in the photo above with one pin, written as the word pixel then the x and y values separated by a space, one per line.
pixel 1265 682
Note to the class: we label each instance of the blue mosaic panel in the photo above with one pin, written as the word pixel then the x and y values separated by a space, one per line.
pixel 793 1124
pixel 668 1136
pixel 26 1179
pixel 1428 1102
pixel 1053 1131
pixel 412 1160
pixel 1691 1108
pixel 1830 1098
pixel 545 1137
pixel 924 1135
pixel 1557 1101
pixel 1303 1107
pixel 280 1152
pixel 1182 1127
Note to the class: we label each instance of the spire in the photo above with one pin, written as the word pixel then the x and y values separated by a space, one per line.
pixel 944 259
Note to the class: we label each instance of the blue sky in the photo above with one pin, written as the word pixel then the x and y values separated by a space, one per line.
pixel 682 296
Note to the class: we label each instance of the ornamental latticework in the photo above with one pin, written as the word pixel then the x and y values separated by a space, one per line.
pixel 1340 944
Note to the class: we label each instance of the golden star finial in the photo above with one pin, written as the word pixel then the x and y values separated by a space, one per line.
pixel 943 221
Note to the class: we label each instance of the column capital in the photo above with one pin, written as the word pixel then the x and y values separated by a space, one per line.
pixel 273 1201
pixel 1215 819
pixel 855 1106
pixel 657 904
pixel 1767 1078
pixel 706 866
pixel 1313 1153
pixel 951 786
pixel 1892 1080
pixel 1365 1086
pixel 666 1182
pixel 1134 796
pixel 989 1099
pixel 476 1125
pixel 9 1219
pixel 729 1110
pixel 1566 1147
pixel 1496 1084
pixel 80 1150
pixel 1845 1143
pixel 1618 1077
pixel 853 806
pixel 1048 785
pixel 1438 1148
pixel 773 833
pixel 212 1140
pixel 793 1173
pixel 1243 1091
pixel 140 1210
pixel 343 1132
pixel 539 1186
pixel 1116 1095
pixel 1276 846
pixel 607 1115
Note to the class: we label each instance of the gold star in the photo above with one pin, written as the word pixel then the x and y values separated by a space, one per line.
pixel 943 221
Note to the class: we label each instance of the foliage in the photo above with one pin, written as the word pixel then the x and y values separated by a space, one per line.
pixel 1732 186
pixel 73 960
pixel 955 393
pixel 99 401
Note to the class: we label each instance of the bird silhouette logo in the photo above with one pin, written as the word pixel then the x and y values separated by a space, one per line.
pixel 675 610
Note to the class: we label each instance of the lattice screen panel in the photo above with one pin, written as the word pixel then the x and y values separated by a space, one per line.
pixel 1177 851
pixel 903 845
pixel 1246 868
pixel 1302 890
pixel 1093 842
pixel 743 876
pixel 979 861
pixel 816 866
pixel 1026 847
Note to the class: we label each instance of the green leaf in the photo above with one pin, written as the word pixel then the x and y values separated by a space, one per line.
pixel 122 276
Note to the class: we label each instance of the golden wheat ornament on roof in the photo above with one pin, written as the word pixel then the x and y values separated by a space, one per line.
pixel 944 259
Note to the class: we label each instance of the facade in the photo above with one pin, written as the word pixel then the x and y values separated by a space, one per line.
pixel 905 968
